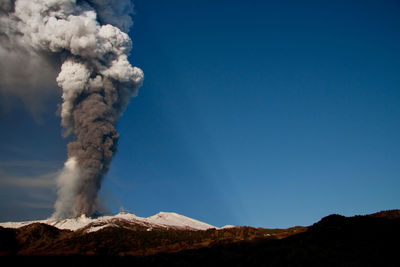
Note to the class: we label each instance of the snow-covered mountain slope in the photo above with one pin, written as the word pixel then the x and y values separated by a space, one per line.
pixel 174 219
pixel 123 219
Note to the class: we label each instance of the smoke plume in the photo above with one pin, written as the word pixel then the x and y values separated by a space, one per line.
pixel 89 40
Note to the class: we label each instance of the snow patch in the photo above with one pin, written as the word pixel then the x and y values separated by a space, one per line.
pixel 160 220
pixel 174 219
pixel 96 228
pixel 228 226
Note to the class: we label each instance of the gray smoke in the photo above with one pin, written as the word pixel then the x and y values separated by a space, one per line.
pixel 96 78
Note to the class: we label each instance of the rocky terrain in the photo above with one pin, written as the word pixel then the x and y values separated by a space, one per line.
pixel 371 240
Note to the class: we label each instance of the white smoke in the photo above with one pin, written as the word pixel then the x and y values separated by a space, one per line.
pixel 67 181
pixel 73 78
pixel 96 78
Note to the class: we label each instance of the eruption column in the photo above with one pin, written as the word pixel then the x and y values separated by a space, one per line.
pixel 96 78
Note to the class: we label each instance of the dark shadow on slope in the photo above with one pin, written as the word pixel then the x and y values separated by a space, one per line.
pixel 336 240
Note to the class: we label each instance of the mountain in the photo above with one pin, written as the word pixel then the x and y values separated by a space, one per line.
pixel 123 234
pixel 169 239
pixel 127 220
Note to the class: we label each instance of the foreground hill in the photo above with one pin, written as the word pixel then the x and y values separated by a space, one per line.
pixel 371 240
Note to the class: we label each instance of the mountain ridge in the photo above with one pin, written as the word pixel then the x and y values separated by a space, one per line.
pixel 123 219
pixel 335 240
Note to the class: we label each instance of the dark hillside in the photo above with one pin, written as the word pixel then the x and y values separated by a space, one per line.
pixel 334 241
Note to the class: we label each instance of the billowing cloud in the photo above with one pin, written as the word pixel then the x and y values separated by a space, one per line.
pixel 89 39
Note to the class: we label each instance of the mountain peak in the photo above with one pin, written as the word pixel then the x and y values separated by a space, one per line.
pixel 177 220
pixel 121 219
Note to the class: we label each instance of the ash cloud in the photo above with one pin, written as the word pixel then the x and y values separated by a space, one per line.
pixel 19 65
pixel 89 40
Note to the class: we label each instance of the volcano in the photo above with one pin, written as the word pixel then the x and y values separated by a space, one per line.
pixel 170 239
pixel 126 220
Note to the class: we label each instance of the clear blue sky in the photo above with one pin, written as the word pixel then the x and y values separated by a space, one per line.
pixel 260 113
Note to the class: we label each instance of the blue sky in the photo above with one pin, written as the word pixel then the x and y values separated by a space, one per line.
pixel 261 113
